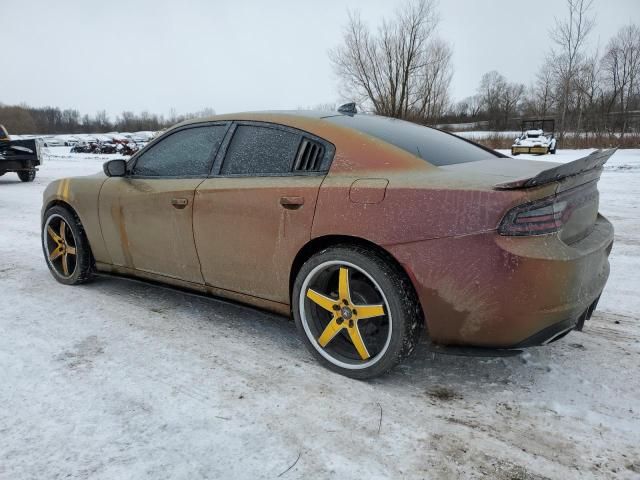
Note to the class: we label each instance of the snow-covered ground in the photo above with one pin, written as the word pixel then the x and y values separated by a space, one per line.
pixel 120 379
pixel 480 134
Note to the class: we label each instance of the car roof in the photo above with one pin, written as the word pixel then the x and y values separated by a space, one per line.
pixel 286 117
pixel 418 140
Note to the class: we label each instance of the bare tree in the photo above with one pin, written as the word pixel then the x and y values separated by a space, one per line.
pixel 570 35
pixel 540 97
pixel 621 63
pixel 475 105
pixel 491 91
pixel 511 98
pixel 400 71
pixel 590 95
pixel 431 83
pixel 499 98
pixel 101 120
pixel 320 107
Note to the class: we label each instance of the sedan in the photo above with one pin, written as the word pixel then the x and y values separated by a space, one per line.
pixel 371 232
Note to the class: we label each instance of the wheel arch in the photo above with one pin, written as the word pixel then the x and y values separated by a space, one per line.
pixel 57 202
pixel 317 244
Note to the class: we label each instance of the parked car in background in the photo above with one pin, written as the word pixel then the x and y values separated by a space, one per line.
pixel 537 137
pixel 367 229
pixel 69 140
pixel 52 141
pixel 143 137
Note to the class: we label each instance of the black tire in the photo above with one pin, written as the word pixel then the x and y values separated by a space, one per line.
pixel 27 175
pixel 79 264
pixel 368 272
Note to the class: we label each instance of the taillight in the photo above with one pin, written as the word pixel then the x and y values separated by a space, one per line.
pixel 546 215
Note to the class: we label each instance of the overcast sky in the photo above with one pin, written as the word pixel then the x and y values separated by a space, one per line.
pixel 245 55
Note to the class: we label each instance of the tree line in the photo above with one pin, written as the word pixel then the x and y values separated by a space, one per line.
pixel 404 70
pixel 19 119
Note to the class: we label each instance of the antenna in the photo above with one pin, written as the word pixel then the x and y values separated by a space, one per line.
pixel 348 108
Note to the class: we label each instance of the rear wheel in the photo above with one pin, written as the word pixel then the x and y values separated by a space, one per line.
pixel 27 175
pixel 65 247
pixel 356 311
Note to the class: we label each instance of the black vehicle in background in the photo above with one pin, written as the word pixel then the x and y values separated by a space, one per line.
pixel 20 156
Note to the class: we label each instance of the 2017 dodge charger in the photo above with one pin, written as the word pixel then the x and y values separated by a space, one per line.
pixel 366 229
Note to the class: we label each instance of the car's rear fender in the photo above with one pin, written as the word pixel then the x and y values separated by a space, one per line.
pixel 413 206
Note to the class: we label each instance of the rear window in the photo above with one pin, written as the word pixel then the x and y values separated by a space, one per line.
pixel 260 151
pixel 436 147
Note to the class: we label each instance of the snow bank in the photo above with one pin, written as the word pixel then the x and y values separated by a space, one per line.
pixel 119 379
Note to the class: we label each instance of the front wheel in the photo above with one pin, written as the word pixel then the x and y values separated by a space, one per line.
pixel 356 311
pixel 27 175
pixel 65 247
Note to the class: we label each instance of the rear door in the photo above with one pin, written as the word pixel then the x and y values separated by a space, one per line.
pixel 255 213
pixel 146 216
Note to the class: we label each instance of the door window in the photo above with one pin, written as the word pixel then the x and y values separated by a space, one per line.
pixel 186 153
pixel 260 151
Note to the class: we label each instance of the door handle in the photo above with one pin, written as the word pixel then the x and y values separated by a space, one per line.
pixel 179 202
pixel 291 203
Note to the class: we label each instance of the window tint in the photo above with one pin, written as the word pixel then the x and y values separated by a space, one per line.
pixel 436 147
pixel 260 151
pixel 184 153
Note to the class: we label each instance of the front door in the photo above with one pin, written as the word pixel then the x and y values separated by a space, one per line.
pixel 146 216
pixel 150 225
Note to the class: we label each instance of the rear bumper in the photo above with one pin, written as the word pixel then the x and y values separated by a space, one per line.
pixel 558 330
pixel 14 159
pixel 493 291
pixel 532 150
pixel 18 165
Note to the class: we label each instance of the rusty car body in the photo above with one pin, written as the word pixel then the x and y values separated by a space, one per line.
pixel 481 250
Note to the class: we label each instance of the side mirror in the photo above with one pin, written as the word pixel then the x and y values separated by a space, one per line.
pixel 115 168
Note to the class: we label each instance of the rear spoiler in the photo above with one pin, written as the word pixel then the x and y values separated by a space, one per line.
pixel 593 161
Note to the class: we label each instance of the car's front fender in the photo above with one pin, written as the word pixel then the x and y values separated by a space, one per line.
pixel 80 194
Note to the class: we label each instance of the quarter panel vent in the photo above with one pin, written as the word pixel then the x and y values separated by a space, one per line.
pixel 309 158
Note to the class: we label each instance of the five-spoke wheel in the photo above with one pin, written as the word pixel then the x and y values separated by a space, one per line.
pixel 61 246
pixel 356 311
pixel 65 246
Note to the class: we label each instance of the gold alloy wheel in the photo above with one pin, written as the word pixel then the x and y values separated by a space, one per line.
pixel 350 325
pixel 60 245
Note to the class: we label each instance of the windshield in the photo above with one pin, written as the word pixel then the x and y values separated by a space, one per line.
pixel 436 147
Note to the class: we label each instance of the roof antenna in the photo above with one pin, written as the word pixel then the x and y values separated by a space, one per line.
pixel 348 108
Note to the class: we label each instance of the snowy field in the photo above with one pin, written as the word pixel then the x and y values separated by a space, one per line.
pixel 119 379
pixel 480 134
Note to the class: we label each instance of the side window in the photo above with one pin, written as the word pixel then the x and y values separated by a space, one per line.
pixel 184 153
pixel 260 151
